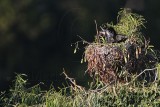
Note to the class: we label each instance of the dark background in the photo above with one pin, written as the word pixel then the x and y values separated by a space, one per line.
pixel 36 35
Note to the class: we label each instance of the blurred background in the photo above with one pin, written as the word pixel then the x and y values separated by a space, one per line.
pixel 36 35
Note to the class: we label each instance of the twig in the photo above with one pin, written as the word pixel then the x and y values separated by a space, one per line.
pixel 101 90
pixel 82 40
pixel 114 91
pixel 140 74
pixel 96 26
pixel 73 82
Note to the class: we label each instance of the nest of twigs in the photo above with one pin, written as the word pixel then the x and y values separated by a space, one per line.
pixel 118 59
pixel 104 60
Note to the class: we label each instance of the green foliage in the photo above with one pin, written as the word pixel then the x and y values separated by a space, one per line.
pixel 98 95
pixel 128 23
pixel 158 70
pixel 57 99
pixel 19 94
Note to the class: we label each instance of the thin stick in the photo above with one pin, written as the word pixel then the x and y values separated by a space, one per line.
pixel 101 90
pixel 82 40
pixel 141 74
pixel 73 82
pixel 96 26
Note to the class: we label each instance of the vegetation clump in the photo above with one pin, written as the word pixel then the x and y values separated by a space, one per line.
pixel 98 95
pixel 121 51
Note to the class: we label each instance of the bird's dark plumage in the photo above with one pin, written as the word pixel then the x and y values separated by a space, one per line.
pixel 112 36
pixel 121 38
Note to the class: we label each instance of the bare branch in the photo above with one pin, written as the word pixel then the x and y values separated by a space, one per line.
pixel 140 74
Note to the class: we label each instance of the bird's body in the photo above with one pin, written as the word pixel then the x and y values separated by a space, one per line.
pixel 112 36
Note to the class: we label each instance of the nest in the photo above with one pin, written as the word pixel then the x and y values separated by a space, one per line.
pixel 104 60
pixel 114 62
pixel 121 52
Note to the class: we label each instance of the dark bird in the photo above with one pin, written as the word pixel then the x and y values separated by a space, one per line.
pixel 112 36
pixel 120 38
pixel 109 34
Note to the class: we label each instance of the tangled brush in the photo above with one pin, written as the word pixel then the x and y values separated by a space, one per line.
pixel 121 51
